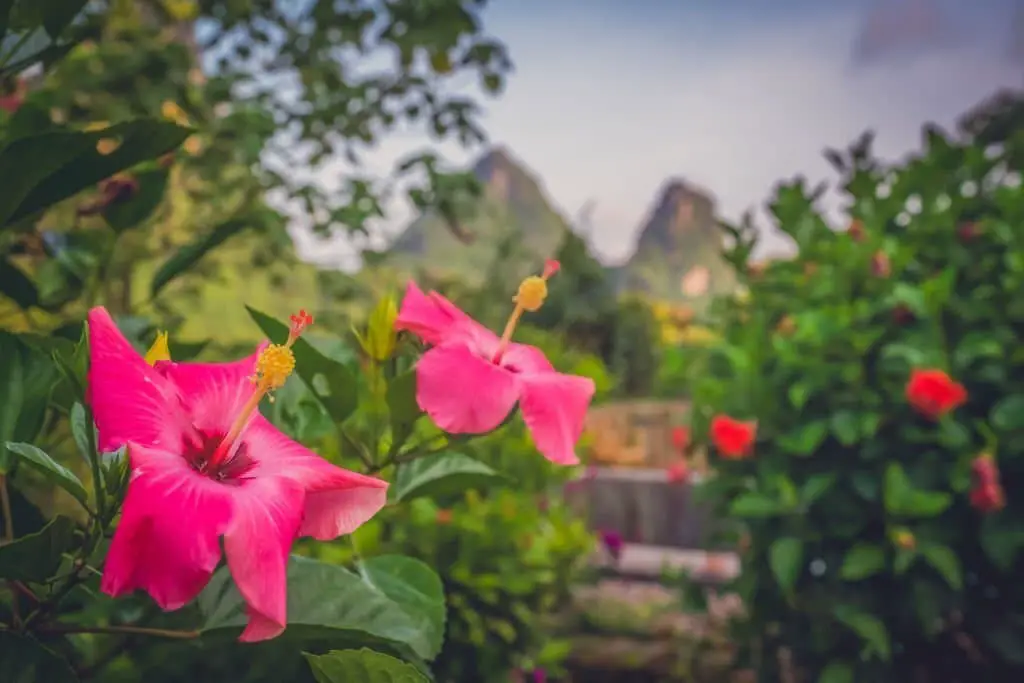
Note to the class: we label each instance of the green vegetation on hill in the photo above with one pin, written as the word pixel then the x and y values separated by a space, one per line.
pixel 513 217
pixel 678 254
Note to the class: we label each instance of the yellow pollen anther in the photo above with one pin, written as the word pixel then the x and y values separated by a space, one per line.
pixel 532 292
pixel 274 365
pixel 530 297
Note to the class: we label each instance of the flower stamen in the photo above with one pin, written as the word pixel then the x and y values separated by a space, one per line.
pixel 530 297
pixel 273 367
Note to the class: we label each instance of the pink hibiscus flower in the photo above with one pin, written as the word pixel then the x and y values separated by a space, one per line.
pixel 471 379
pixel 205 464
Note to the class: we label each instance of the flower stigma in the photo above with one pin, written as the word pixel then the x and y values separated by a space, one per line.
pixel 530 297
pixel 273 367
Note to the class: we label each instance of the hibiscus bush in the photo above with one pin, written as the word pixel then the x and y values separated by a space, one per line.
pixel 866 411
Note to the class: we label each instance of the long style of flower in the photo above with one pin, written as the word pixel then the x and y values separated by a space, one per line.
pixel 206 465
pixel 471 379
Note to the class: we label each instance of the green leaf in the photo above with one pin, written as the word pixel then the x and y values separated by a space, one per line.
pixel 38 171
pixel 403 408
pixel 417 589
pixel 127 214
pixel 846 427
pixel 861 561
pixel 51 469
pixel 927 503
pixel 901 499
pixel 1002 541
pixel 81 425
pixel 897 488
pixel 806 438
pixel 756 505
pixel 27 377
pixel 904 560
pixel 339 393
pixel 868 627
pixel 440 475
pixel 1008 414
pixel 837 672
pixel 17 286
pixel 325 602
pixel 24 660
pixel 815 487
pixel 37 557
pixel 786 558
pixel 945 562
pixel 190 254
pixel 362 666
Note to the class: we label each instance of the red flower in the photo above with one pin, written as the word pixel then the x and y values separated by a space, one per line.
pixel 933 393
pixel 677 472
pixel 988 498
pixel 680 438
pixel 880 265
pixel 733 439
pixel 987 493
pixel 901 314
pixel 968 231
pixel 856 231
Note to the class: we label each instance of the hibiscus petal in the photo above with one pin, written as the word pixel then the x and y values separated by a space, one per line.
pixel 525 358
pixel 266 513
pixel 461 392
pixel 337 501
pixel 433 318
pixel 130 401
pixel 554 407
pixel 167 542
pixel 213 393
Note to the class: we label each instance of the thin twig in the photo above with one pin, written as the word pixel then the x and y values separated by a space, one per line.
pixel 5 507
pixel 137 630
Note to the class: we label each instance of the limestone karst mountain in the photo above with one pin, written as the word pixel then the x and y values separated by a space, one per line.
pixel 678 252
pixel 513 219
pixel 514 227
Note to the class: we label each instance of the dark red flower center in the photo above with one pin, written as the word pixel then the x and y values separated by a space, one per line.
pixel 199 448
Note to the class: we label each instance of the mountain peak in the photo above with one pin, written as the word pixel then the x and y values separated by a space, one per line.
pixel 504 177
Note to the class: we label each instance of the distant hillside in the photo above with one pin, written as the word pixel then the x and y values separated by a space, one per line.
pixel 513 219
pixel 678 252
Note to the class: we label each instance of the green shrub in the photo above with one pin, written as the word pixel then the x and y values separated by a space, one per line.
pixel 867 560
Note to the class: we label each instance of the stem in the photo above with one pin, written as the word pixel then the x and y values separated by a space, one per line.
pixel 97 475
pixel 5 506
pixel 360 451
pixel 137 630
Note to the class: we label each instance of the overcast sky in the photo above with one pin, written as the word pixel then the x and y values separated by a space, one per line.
pixel 609 98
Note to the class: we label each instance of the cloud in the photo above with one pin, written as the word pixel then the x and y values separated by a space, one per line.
pixel 606 113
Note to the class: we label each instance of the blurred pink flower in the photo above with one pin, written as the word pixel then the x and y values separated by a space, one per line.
pixel 612 542
pixel 206 464
pixel 471 379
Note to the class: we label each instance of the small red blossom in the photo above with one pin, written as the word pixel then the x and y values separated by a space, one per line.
pixel 968 231
pixel 612 542
pixel 12 101
pixel 680 438
pixel 678 472
pixel 300 321
pixel 113 190
pixel 880 264
pixel 933 393
pixel 443 516
pixel 988 498
pixel 856 231
pixel 734 439
pixel 987 493
pixel 902 315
